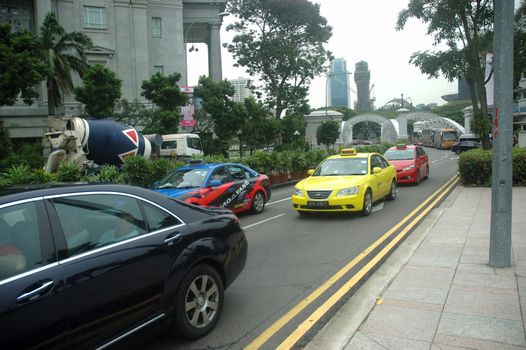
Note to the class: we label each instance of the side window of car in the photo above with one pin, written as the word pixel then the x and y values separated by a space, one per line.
pixel 237 173
pixel 158 218
pixel 222 175
pixel 376 161
pixel 383 163
pixel 94 220
pixel 19 239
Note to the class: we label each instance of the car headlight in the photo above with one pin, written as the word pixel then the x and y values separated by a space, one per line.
pixel 298 192
pixel 348 191
pixel 408 167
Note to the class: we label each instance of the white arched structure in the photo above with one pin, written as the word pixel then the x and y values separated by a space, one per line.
pixel 432 120
pixel 388 133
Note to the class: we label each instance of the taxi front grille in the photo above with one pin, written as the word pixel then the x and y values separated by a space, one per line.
pixel 320 194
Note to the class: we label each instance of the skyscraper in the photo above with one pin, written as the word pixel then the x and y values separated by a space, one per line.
pixel 362 77
pixel 242 87
pixel 339 84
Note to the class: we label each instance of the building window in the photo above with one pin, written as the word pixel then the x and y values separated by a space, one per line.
pixel 95 17
pixel 157 29
pixel 158 69
pixel 18 17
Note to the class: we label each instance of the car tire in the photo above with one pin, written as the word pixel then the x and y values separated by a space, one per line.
pixel 190 308
pixel 417 180
pixel 457 151
pixel 392 192
pixel 258 203
pixel 367 203
pixel 303 213
pixel 427 173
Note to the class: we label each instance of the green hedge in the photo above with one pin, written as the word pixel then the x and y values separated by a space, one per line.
pixel 141 172
pixel 475 167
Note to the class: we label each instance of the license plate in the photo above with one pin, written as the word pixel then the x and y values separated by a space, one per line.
pixel 318 204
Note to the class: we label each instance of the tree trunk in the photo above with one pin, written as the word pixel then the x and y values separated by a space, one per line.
pixel 50 99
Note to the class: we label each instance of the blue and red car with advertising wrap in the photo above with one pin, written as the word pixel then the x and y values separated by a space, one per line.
pixel 226 185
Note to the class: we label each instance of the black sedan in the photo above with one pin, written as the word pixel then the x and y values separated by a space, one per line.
pixel 463 146
pixel 89 266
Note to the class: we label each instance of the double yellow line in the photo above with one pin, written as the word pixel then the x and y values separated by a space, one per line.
pixel 316 315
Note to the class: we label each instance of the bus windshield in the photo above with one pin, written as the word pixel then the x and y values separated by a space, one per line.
pixel 449 136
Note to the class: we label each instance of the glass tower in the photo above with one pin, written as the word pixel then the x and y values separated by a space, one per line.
pixel 339 84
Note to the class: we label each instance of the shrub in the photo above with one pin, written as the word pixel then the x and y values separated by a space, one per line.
pixel 475 167
pixel 315 157
pixel 519 166
pixel 28 153
pixel 214 158
pixel 68 172
pixel 17 174
pixel 39 175
pixel 109 173
pixel 261 162
pixel 298 161
pixel 161 167
pixel 137 172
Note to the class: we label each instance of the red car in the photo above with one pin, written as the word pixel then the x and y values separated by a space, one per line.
pixel 411 162
pixel 226 185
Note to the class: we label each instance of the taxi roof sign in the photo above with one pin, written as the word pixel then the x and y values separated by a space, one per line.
pixel 348 152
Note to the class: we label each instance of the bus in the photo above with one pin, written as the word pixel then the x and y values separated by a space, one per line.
pixel 441 138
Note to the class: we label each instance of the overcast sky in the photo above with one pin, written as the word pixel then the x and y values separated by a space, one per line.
pixel 362 30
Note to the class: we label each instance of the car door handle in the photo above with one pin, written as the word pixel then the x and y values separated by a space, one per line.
pixel 171 239
pixel 35 293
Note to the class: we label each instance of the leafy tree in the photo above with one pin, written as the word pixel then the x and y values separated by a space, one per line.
pixel 259 126
pixel 226 116
pixel 133 113
pixel 519 56
pixel 100 92
pixel 282 42
pixel 327 133
pixel 21 66
pixel 465 26
pixel 65 55
pixel 452 110
pixel 293 128
pixel 6 147
pixel 164 92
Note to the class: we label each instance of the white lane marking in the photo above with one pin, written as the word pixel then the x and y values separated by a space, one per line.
pixel 262 221
pixel 281 200
pixel 378 207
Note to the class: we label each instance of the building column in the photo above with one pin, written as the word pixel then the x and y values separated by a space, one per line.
pixel 214 52
pixel 468 117
pixel 402 123
pixel 42 7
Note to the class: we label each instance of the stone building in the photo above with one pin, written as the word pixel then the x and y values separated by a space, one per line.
pixel 134 38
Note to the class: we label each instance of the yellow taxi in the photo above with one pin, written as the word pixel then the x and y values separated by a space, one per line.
pixel 346 182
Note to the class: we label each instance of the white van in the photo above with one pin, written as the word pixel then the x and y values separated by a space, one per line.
pixel 181 146
pixel 468 137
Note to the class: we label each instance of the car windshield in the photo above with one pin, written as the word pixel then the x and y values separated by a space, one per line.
pixel 398 154
pixel 184 178
pixel 342 166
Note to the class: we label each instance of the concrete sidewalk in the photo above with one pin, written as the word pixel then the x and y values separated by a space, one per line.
pixel 437 291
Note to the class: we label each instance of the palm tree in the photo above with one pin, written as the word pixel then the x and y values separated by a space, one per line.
pixel 65 55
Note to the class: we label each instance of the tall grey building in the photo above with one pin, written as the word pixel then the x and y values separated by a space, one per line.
pixel 362 78
pixel 242 88
pixel 339 84
pixel 135 39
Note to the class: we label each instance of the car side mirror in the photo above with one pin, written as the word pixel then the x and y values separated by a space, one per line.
pixel 156 183
pixel 377 170
pixel 214 183
pixel 310 172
